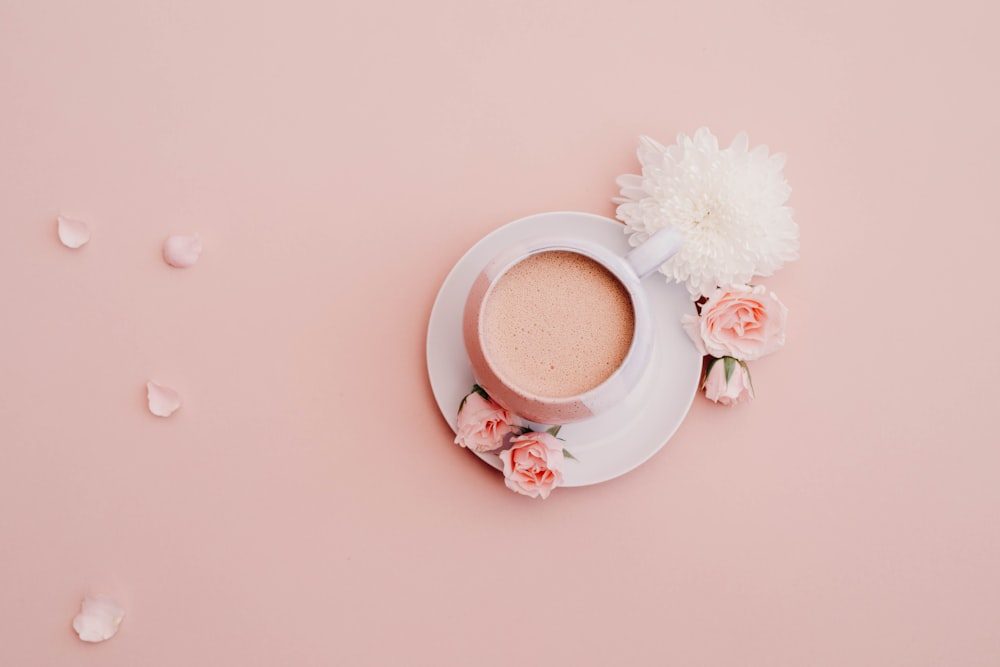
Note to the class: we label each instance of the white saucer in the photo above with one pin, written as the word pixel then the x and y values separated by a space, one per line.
pixel 612 443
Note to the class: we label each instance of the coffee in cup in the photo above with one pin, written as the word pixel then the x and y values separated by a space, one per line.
pixel 557 324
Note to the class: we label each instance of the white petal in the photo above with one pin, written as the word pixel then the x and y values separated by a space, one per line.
pixel 741 143
pixel 182 251
pixel 163 401
pixel 704 138
pixel 73 233
pixel 98 619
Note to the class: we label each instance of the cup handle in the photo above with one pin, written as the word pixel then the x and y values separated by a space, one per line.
pixel 658 248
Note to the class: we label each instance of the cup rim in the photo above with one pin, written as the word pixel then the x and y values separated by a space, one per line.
pixel 611 262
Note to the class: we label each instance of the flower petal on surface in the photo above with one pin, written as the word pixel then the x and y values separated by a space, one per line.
pixel 182 251
pixel 98 619
pixel 73 233
pixel 163 401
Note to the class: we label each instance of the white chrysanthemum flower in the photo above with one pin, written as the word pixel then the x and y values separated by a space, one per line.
pixel 727 204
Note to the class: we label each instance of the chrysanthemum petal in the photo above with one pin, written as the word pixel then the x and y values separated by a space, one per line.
pixel 740 143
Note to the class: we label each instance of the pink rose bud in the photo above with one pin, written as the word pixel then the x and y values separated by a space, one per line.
pixel 741 322
pixel 482 424
pixel 728 382
pixel 533 466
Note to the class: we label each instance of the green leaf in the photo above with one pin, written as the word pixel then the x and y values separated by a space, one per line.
pixel 567 454
pixel 730 366
pixel 553 430
pixel 708 366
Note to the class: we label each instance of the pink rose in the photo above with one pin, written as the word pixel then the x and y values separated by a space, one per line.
pixel 728 382
pixel 741 322
pixel 482 424
pixel 533 466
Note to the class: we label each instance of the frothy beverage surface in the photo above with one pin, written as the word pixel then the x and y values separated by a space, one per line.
pixel 557 324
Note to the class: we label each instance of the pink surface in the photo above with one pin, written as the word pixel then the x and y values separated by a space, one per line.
pixel 306 506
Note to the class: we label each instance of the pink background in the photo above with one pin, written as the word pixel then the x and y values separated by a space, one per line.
pixel 306 505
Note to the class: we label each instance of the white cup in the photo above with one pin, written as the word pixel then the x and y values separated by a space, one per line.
pixel 628 270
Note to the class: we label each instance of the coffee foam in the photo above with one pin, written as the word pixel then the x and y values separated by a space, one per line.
pixel 557 324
